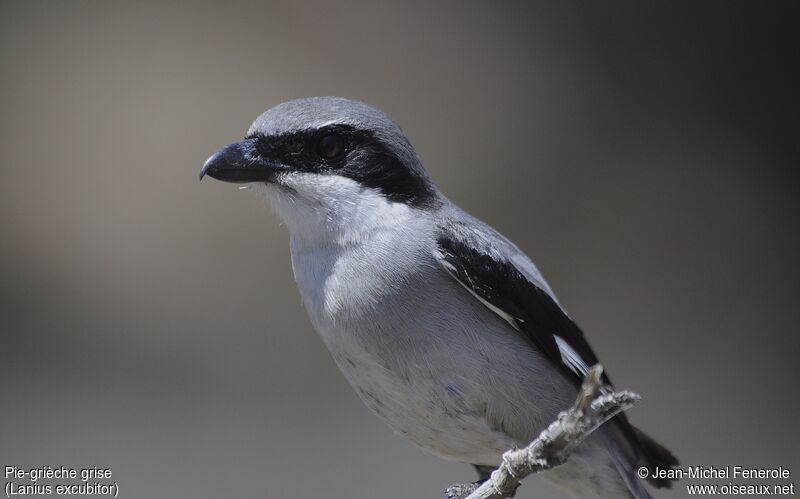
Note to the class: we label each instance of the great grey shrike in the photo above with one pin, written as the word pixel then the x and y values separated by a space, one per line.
pixel 446 330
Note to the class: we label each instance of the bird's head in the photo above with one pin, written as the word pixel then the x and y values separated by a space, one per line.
pixel 327 164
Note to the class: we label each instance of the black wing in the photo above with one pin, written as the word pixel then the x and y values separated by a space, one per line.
pixel 499 275
pixel 529 308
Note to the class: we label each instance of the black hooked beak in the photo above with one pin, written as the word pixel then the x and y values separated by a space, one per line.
pixel 240 162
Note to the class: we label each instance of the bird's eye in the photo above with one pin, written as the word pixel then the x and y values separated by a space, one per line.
pixel 330 146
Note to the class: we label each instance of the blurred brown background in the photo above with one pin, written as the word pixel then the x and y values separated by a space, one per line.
pixel 643 155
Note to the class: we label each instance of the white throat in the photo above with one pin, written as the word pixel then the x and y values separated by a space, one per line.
pixel 325 210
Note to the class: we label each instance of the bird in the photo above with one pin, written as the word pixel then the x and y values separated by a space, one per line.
pixel 445 329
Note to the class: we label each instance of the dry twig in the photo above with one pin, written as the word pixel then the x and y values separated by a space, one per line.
pixel 595 405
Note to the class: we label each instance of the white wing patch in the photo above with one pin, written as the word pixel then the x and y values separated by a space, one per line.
pixel 503 315
pixel 570 357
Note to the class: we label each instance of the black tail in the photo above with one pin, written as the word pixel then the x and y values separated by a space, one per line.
pixel 654 454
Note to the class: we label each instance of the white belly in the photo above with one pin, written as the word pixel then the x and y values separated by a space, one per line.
pixel 422 356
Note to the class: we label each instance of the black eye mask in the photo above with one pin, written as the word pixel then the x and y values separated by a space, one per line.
pixel 352 153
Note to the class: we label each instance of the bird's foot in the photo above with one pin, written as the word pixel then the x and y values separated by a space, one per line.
pixel 461 490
